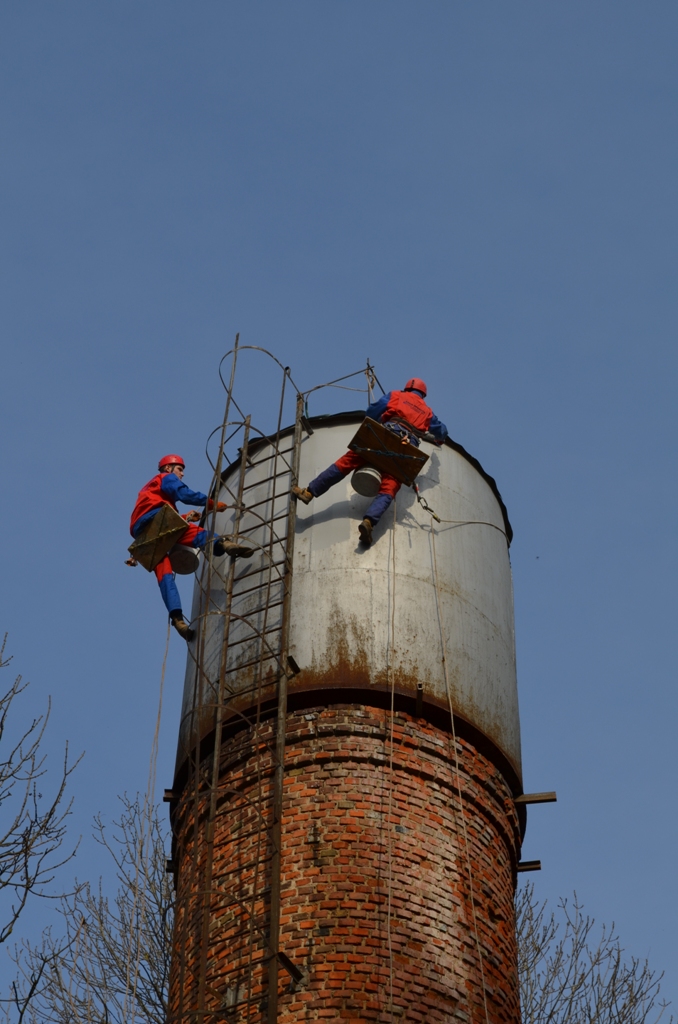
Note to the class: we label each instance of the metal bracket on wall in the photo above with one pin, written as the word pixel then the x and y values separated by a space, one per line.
pixel 536 798
pixel 529 865
pixel 299 977
pixel 419 709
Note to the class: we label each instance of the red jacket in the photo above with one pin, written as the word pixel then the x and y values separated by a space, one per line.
pixel 410 407
pixel 150 496
pixel 163 489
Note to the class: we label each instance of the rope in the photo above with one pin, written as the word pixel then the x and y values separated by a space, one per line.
pixel 454 522
pixel 390 788
pixel 458 776
pixel 143 849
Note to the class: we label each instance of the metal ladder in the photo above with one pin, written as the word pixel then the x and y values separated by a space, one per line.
pixel 241 673
pixel 229 914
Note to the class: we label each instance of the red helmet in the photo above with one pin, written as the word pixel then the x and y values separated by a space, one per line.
pixel 171 460
pixel 416 384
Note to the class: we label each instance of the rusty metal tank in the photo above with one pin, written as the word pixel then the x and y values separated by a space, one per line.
pixel 367 625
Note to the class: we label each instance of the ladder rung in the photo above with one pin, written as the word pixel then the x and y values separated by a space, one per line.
pixel 232 896
pixel 267 458
pixel 253 636
pixel 247 617
pixel 272 497
pixel 257 570
pixel 199 894
pixel 277 581
pixel 243 779
pixel 236 872
pixel 242 924
pixel 263 568
pixel 268 522
pixel 262 608
pixel 276 453
pixel 266 479
pixel 245 692
pixel 247 664
pixel 229 898
pixel 233 694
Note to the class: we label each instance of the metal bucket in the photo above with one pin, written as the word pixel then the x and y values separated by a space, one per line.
pixel 366 480
pixel 184 559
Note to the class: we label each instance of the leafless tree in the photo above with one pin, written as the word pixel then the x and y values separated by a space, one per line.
pixel 33 827
pixel 572 973
pixel 110 962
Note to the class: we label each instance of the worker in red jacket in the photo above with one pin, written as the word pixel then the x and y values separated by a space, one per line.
pixel 407 415
pixel 167 488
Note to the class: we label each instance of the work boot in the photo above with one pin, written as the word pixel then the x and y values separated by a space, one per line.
pixel 226 546
pixel 303 494
pixel 365 531
pixel 183 629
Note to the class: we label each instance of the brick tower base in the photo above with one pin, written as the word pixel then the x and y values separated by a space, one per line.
pixel 377 912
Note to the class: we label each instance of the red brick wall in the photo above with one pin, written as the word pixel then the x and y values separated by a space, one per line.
pixel 353 831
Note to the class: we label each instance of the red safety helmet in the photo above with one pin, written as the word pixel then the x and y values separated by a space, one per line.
pixel 171 460
pixel 416 384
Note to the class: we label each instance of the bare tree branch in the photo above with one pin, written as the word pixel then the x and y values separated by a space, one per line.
pixel 113 963
pixel 571 974
pixel 33 832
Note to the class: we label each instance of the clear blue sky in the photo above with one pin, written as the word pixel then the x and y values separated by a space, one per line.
pixel 483 195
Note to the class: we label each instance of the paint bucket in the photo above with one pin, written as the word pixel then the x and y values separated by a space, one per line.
pixel 184 559
pixel 366 480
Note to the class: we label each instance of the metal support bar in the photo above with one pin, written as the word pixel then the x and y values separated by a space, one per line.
pixel 536 798
pixel 295 973
pixel 194 762
pixel 278 779
pixel 216 756
pixel 419 709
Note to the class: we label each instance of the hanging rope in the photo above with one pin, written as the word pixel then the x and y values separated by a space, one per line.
pixel 391 660
pixel 454 522
pixel 458 777
pixel 143 852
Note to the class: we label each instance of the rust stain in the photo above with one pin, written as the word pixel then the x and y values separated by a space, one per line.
pixel 348 663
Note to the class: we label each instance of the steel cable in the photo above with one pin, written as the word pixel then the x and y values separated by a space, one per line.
pixel 458 777
pixel 139 905
pixel 391 672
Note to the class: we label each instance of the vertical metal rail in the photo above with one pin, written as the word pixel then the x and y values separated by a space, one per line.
pixel 213 780
pixel 269 584
pixel 213 893
pixel 281 729
pixel 194 763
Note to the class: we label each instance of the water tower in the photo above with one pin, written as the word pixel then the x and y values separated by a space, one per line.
pixel 346 833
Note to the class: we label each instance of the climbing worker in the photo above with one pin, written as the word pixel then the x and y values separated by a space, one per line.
pixel 167 488
pixel 407 415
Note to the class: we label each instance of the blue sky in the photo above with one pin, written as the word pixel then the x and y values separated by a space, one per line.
pixel 479 194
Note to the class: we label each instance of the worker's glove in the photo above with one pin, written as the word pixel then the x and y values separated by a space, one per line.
pixel 131 561
pixel 221 506
pixel 192 517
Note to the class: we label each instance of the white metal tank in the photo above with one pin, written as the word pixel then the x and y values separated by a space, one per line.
pixel 364 620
